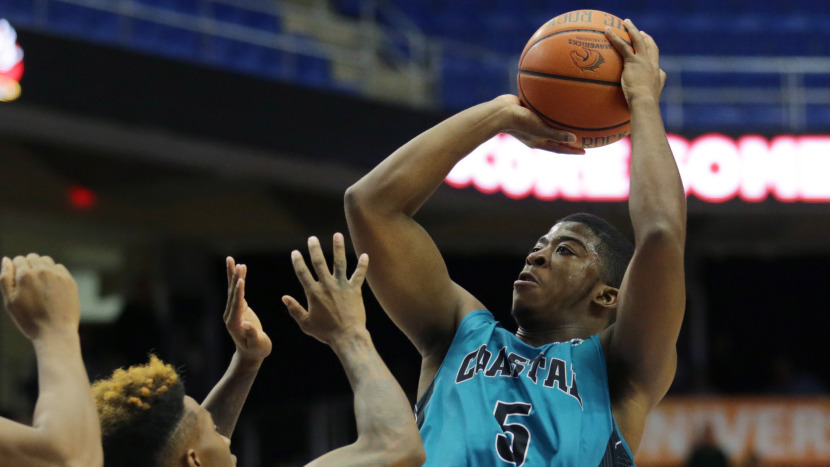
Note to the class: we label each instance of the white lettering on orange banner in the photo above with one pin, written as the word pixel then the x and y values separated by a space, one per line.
pixel 714 168
pixel 780 431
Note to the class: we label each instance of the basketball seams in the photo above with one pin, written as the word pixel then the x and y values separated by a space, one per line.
pixel 560 124
pixel 527 49
pixel 570 78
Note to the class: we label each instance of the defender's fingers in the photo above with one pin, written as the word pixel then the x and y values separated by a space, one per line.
pixel 47 261
pixel 21 264
pixel 339 261
pixel 359 273
pixel 34 260
pixel 6 278
pixel 232 299
pixel 241 305
pixel 318 261
pixel 297 311
pixel 653 50
pixel 62 270
pixel 230 267
pixel 301 270
pixel 233 313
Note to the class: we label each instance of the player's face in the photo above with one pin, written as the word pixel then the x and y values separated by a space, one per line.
pixel 561 271
pixel 212 448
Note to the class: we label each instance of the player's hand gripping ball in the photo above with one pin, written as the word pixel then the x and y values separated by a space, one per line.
pixel 569 74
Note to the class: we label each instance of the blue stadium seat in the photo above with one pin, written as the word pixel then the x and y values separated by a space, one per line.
pixel 818 118
pixel 817 80
pixel 759 117
pixel 450 25
pixel 21 12
pixel 165 40
pixel 85 22
pixel 465 83
pixel 191 7
pixel 245 57
pixel 254 19
pixel 740 80
pixel 420 13
pixel 311 70
pixel 505 35
pixel 350 8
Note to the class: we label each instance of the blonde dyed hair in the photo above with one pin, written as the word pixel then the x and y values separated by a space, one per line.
pixel 139 409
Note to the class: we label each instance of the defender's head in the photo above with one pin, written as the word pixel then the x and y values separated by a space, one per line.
pixel 147 420
pixel 572 276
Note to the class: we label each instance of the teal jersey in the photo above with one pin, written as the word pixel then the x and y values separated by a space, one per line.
pixel 498 401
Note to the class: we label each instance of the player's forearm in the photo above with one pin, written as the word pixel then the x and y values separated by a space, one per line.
pixel 227 398
pixel 65 414
pixel 657 201
pixel 385 423
pixel 408 177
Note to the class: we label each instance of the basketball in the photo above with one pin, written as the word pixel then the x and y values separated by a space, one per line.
pixel 569 74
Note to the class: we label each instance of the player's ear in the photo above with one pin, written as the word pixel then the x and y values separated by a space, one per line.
pixel 193 458
pixel 606 297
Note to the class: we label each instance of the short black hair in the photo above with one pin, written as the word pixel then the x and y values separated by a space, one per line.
pixel 614 248
pixel 139 409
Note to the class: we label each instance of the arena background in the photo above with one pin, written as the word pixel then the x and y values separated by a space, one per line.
pixel 154 137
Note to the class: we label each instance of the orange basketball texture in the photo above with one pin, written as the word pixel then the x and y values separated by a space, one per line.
pixel 569 74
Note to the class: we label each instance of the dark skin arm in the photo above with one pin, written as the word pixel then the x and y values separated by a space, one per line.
pixel 641 345
pixel 409 276
pixel 226 399
pixel 42 299
pixel 387 434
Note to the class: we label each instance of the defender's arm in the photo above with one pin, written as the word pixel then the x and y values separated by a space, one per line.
pixel 42 299
pixel 386 429
pixel 226 399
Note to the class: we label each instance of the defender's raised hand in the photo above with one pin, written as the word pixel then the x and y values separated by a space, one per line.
pixel 252 343
pixel 335 302
pixel 40 296
pixel 641 72
pixel 42 299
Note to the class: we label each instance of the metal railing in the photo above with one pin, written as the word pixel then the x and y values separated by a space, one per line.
pixel 375 49
pixel 792 95
pixel 399 45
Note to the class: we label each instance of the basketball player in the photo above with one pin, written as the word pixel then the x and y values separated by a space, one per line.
pixel 146 418
pixel 595 347
pixel 148 421
pixel 42 299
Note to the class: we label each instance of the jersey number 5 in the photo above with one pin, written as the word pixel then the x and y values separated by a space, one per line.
pixel 512 450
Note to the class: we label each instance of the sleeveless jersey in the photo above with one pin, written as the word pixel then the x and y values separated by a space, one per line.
pixel 497 401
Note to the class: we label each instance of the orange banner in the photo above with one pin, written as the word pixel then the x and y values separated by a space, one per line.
pixel 781 431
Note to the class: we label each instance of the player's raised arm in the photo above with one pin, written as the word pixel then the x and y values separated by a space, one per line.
pixel 386 429
pixel 408 275
pixel 42 299
pixel 226 399
pixel 641 344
